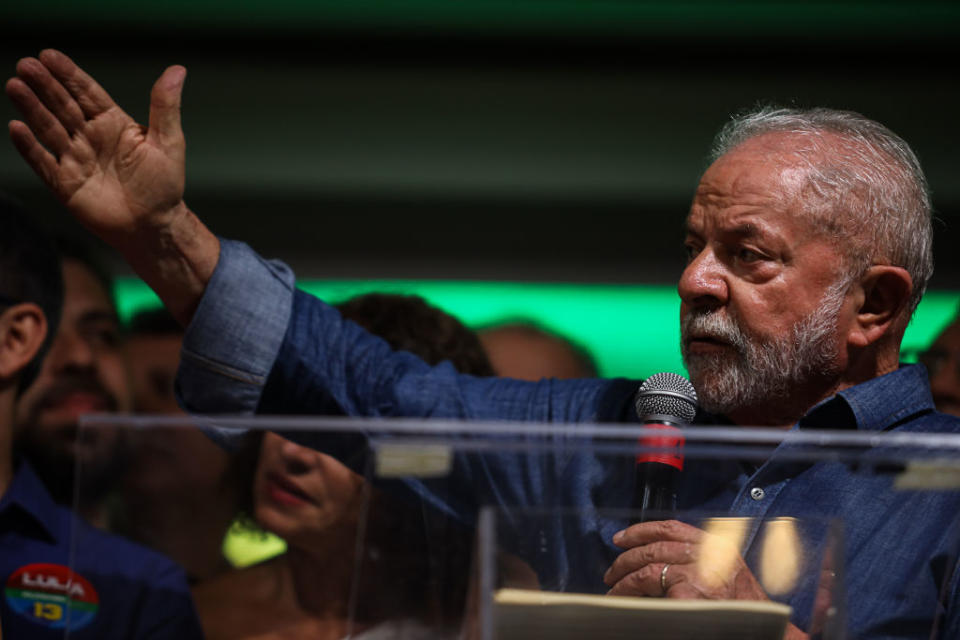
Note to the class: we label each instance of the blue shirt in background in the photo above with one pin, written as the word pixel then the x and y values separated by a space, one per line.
pixel 60 573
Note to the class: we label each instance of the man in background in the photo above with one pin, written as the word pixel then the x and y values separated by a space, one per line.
pixel 60 573
pixel 525 351
pixel 942 361
pixel 85 372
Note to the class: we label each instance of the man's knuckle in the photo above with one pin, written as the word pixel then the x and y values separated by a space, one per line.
pixel 643 555
pixel 634 581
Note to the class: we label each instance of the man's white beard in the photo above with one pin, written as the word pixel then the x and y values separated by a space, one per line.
pixel 761 371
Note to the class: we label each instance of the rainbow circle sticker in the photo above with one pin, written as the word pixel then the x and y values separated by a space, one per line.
pixel 52 595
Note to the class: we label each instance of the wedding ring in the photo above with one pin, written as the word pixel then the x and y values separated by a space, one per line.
pixel 663 578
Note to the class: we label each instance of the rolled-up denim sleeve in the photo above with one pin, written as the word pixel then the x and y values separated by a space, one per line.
pixel 235 335
pixel 256 344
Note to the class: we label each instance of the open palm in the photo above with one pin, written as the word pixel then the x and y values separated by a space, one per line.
pixel 114 175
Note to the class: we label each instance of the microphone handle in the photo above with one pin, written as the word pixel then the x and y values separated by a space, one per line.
pixel 657 491
pixel 657 474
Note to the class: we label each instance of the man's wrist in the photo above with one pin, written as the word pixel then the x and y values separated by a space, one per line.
pixel 175 260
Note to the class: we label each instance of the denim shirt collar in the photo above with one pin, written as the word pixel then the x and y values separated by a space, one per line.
pixel 30 496
pixel 875 405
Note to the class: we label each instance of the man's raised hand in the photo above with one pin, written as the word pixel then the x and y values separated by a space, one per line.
pixel 121 180
pixel 114 175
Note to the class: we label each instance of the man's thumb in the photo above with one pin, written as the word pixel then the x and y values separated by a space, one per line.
pixel 165 107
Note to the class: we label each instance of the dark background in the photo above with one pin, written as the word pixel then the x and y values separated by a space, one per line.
pixel 527 140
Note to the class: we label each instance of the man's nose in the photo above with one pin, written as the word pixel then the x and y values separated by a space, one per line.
pixel 71 351
pixel 703 282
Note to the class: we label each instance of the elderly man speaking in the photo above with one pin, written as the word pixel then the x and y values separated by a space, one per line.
pixel 809 243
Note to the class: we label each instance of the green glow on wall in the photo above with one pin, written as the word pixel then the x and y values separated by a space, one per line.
pixel 632 330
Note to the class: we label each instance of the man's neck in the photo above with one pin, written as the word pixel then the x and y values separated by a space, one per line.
pixel 785 408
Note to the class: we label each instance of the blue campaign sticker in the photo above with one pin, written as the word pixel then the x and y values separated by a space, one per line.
pixel 52 595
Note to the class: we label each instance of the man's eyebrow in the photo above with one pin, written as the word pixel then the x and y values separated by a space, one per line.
pixel 98 315
pixel 746 230
pixel 742 230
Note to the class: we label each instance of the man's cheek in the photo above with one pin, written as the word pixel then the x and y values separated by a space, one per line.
pixel 116 381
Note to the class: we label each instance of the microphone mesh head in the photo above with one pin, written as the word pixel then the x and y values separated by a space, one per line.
pixel 667 394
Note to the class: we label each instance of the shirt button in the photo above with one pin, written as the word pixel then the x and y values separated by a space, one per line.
pixel 757 493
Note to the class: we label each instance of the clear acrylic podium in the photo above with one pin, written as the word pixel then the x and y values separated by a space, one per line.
pixel 418 528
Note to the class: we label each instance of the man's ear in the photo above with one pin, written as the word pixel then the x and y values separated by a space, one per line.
pixel 23 328
pixel 884 295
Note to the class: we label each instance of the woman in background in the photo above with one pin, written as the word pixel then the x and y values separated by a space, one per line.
pixel 359 562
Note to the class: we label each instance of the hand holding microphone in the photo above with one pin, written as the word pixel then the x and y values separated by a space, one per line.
pixel 663 557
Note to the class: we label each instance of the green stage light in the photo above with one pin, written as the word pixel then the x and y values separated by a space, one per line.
pixel 631 330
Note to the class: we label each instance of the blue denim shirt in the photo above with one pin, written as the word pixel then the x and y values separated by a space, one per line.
pixel 258 344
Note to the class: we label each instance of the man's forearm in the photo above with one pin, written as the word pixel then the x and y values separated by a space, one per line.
pixel 176 261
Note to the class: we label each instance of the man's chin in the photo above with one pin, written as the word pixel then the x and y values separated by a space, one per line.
pixel 716 382
pixel 69 442
pixel 707 370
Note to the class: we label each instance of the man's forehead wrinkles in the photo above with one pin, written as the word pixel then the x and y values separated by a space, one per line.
pixel 743 219
pixel 740 192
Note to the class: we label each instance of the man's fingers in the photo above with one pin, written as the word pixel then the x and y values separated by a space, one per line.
pixel 47 128
pixel 165 107
pixel 40 160
pixel 683 590
pixel 631 560
pixel 645 581
pixel 91 97
pixel 647 532
pixel 51 93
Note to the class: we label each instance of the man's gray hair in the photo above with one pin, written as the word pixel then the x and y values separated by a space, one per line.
pixel 866 189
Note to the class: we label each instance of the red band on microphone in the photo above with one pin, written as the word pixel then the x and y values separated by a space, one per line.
pixel 668 446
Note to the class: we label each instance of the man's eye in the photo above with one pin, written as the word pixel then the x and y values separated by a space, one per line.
pixel 748 256
pixel 691 251
pixel 103 337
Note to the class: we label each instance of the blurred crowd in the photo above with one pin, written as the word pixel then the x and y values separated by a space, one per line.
pixel 172 490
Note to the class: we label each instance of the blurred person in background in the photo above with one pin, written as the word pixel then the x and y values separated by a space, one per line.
pixel 523 350
pixel 180 492
pixel 84 372
pixel 62 575
pixel 942 361
pixel 356 557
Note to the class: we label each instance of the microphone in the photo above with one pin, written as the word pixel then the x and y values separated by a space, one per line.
pixel 665 402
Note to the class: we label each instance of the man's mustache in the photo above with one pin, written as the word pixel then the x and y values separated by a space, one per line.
pixel 712 325
pixel 64 386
